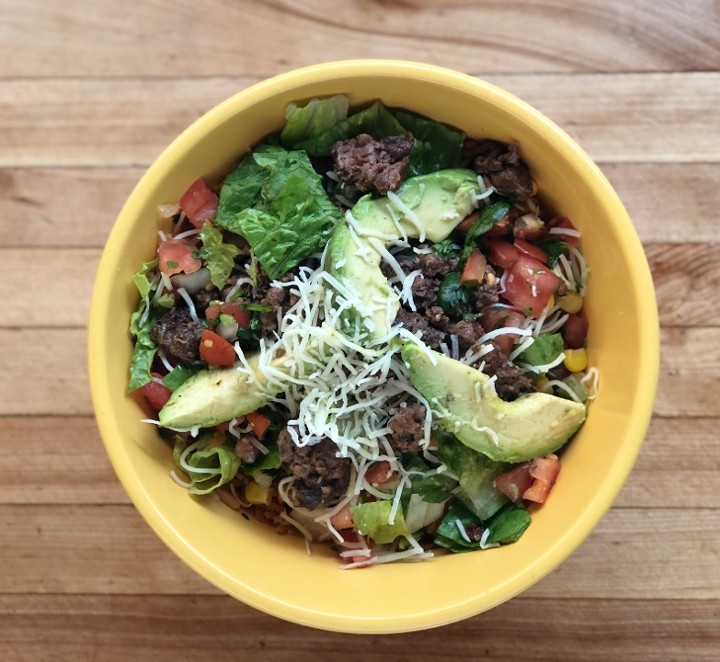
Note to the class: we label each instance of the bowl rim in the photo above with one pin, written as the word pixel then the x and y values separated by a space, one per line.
pixel 648 356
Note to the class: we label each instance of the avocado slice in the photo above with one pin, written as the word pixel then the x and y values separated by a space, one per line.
pixel 464 403
pixel 433 203
pixel 217 395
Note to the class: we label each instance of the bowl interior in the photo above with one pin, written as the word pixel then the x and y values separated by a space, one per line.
pixel 275 574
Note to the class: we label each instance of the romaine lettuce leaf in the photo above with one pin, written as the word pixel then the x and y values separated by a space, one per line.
pixel 179 375
pixel 476 473
pixel 449 535
pixel 276 200
pixel 376 120
pixel 434 488
pixel 220 458
pixel 437 146
pixel 219 257
pixel 371 519
pixel 316 117
pixel 544 350
pixel 142 360
pixel 141 280
pixel 508 525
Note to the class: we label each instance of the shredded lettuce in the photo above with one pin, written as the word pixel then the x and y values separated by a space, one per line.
pixel 141 321
pixel 315 118
pixel 142 360
pixel 546 348
pixel 372 519
pixel 219 257
pixel 276 200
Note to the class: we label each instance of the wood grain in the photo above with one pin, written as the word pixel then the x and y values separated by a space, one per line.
pixel 188 627
pixel 689 372
pixel 203 40
pixel 686 276
pixel 76 207
pixel 75 469
pixel 99 122
pixel 634 553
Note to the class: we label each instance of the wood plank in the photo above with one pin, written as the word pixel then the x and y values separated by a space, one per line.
pixel 686 276
pixel 616 118
pixel 117 628
pixel 687 283
pixel 634 553
pixel 44 207
pixel 582 36
pixel 689 369
pixel 76 470
pixel 61 282
pixel 62 206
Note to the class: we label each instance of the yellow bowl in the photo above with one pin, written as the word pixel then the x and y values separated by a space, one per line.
pixel 248 560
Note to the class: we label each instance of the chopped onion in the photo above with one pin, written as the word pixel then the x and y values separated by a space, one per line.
pixel 193 282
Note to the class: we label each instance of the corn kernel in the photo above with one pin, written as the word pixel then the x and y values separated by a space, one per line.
pixel 257 494
pixel 541 383
pixel 551 302
pixel 534 186
pixel 571 303
pixel 575 359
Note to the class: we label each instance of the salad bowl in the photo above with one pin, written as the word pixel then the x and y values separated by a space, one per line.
pixel 275 573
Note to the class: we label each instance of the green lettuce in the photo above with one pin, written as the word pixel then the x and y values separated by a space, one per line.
pixel 141 280
pixel 376 120
pixel 219 257
pixel 276 200
pixel 371 519
pixel 437 146
pixel 476 474
pixel 311 120
pixel 433 488
pixel 508 525
pixel 179 375
pixel 141 361
pixel 448 534
pixel 141 321
pixel 546 348
pixel 221 459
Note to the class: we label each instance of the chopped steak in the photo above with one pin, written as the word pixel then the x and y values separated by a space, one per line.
pixel 365 164
pixel 417 324
pixel 178 334
pixel 503 166
pixel 246 450
pixel 322 477
pixel 467 332
pixel 511 382
pixel 408 429
pixel 433 264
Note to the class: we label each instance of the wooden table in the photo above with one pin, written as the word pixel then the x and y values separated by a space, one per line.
pixel 90 92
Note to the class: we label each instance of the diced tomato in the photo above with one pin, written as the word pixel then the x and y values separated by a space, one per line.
pixel 545 468
pixel 575 330
pixel 501 228
pixel 496 316
pixel 177 256
pixel 342 520
pixel 529 284
pixel 379 473
pixel 155 394
pixel 571 238
pixel 527 248
pixel 242 317
pixel 474 270
pixel 468 221
pixel 502 253
pixel 544 471
pixel 212 311
pixel 216 351
pixel 199 203
pixel 528 227
pixel 515 482
pixel 259 423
